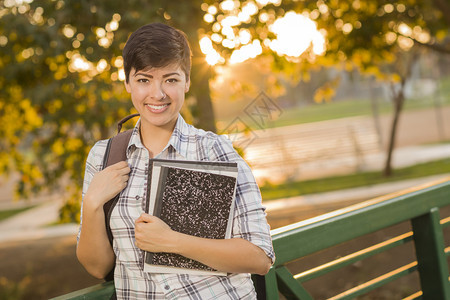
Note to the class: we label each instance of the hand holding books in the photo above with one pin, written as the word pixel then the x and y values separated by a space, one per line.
pixel 154 235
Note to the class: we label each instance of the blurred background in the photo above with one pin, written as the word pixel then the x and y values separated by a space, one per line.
pixel 330 102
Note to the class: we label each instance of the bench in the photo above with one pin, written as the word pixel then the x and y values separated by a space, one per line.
pixel 420 207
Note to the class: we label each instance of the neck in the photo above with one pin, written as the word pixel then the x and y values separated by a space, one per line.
pixel 155 138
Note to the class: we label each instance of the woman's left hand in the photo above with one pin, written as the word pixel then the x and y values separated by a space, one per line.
pixel 154 235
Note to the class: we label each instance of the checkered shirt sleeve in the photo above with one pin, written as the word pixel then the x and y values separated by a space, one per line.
pixel 249 217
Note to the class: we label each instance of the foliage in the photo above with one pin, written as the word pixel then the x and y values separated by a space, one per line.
pixel 365 35
pixel 61 87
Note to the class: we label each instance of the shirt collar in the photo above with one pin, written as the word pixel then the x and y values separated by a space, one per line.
pixel 177 140
pixel 135 139
pixel 180 137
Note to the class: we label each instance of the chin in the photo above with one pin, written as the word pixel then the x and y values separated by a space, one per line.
pixel 160 123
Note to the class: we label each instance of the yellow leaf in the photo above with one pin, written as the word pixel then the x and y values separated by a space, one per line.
pixel 58 147
pixel 35 173
pixel 73 144
pixel 105 95
pixel 81 108
pixel 396 78
pixel 441 34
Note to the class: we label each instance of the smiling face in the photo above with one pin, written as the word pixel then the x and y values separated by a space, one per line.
pixel 158 95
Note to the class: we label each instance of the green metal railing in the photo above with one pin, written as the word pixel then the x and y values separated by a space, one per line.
pixel 421 206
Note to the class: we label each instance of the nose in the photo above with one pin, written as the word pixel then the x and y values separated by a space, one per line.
pixel 157 91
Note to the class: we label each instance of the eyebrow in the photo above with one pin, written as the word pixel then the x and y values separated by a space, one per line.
pixel 151 76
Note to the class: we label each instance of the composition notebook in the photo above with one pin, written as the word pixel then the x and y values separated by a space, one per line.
pixel 192 197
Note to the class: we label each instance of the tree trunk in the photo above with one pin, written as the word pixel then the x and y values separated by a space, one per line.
pixel 200 76
pixel 398 99
pixel 205 118
pixel 376 114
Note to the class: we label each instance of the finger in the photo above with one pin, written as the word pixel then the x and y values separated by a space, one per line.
pixel 145 218
pixel 125 170
pixel 140 220
pixel 122 164
pixel 119 165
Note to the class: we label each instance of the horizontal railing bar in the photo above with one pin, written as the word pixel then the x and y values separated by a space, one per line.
pixel 354 257
pixel 415 296
pixel 445 222
pixel 376 282
pixel 376 200
pixel 355 221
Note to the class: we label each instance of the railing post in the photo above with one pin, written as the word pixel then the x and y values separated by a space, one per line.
pixel 432 262
pixel 290 287
pixel 271 285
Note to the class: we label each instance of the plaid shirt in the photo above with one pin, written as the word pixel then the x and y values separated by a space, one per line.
pixel 249 223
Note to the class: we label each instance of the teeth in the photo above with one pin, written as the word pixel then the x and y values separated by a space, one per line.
pixel 157 106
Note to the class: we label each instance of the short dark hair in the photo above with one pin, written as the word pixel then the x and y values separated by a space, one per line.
pixel 156 45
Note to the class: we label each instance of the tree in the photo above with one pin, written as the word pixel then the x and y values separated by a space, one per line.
pixel 376 37
pixel 61 83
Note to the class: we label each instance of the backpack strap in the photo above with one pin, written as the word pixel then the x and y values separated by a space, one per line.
pixel 116 151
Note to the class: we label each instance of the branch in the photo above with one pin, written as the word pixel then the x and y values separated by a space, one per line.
pixel 441 48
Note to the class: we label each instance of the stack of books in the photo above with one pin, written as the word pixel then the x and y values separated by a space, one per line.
pixel 194 198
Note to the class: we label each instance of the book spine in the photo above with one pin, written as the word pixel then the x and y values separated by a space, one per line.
pixel 148 256
pixel 160 191
pixel 149 181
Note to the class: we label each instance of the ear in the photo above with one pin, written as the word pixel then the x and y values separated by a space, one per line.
pixel 188 84
pixel 127 87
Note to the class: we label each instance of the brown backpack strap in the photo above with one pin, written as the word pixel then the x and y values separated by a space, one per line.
pixel 116 151
pixel 119 125
pixel 117 148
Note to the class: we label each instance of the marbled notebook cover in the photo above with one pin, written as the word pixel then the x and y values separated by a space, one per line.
pixel 193 202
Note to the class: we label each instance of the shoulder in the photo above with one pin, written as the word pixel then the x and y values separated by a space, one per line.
pixel 213 140
pixel 199 144
pixel 221 148
pixel 99 148
pixel 96 154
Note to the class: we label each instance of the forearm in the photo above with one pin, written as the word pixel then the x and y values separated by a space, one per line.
pixel 94 250
pixel 227 255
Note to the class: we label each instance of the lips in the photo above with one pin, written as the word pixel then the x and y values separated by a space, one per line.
pixel 157 108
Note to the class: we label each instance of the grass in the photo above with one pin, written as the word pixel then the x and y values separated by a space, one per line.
pixel 326 111
pixel 345 109
pixel 328 184
pixel 11 212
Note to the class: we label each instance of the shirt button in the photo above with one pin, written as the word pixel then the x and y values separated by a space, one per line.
pixel 137 197
pixel 167 287
pixel 146 171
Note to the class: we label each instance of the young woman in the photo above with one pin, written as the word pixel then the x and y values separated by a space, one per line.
pixel 157 62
